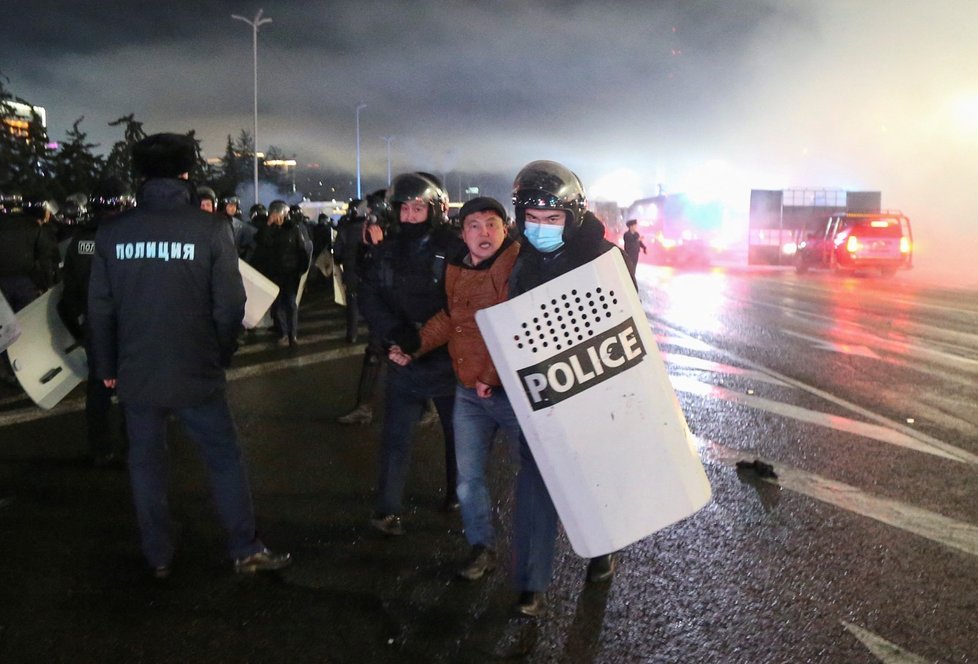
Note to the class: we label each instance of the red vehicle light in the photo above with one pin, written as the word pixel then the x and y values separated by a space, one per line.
pixel 904 245
pixel 852 244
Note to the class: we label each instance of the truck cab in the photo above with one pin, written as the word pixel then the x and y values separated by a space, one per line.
pixel 851 242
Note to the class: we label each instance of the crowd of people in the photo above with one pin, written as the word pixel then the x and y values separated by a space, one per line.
pixel 416 280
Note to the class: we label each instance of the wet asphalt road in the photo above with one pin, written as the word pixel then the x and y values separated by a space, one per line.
pixel 863 550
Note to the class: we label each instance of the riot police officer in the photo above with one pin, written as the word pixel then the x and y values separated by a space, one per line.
pixel 403 288
pixel 557 234
pixel 109 198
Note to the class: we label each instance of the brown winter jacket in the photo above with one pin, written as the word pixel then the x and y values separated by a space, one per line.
pixel 470 289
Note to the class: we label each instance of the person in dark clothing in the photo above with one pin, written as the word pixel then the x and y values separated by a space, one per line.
pixel 403 288
pixel 357 241
pixel 165 306
pixel 632 242
pixel 242 233
pixel 558 234
pixel 110 198
pixel 29 255
pixel 281 255
pixel 29 260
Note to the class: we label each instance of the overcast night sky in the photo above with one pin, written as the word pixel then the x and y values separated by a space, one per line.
pixel 852 94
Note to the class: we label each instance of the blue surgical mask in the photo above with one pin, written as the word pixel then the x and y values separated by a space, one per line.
pixel 545 237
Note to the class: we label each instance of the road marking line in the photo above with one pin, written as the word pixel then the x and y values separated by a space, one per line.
pixel 689 362
pixel 32 412
pixel 885 651
pixel 864 429
pixel 821 344
pixel 838 401
pixel 931 525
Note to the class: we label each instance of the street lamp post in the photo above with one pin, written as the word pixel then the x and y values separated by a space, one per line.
pixel 255 24
pixel 360 106
pixel 388 140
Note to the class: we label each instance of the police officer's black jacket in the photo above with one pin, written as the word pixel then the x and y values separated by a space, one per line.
pixel 280 254
pixel 348 249
pixel 404 286
pixel 165 300
pixel 534 268
pixel 77 269
pixel 28 250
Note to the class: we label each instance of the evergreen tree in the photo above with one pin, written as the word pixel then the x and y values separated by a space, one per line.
pixel 119 162
pixel 75 168
pixel 229 173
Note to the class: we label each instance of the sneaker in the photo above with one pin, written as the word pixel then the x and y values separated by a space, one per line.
pixel 263 561
pixel 389 524
pixel 360 415
pixel 531 604
pixel 601 568
pixel 162 572
pixel 282 342
pixel 482 560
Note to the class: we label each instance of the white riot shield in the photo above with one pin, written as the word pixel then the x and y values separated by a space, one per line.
pixel 260 292
pixel 9 327
pixel 302 288
pixel 47 360
pixel 580 365
pixel 339 292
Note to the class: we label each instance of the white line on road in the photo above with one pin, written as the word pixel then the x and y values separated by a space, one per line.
pixel 821 344
pixel 886 652
pixel 848 405
pixel 688 362
pixel 865 429
pixel 935 527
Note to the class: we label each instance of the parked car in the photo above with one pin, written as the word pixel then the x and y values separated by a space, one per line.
pixel 851 242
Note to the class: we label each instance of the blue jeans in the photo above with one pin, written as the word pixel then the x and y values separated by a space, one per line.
pixel 285 312
pixel 476 422
pixel 534 527
pixel 408 388
pixel 210 426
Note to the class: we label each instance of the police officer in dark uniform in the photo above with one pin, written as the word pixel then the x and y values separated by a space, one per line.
pixel 403 288
pixel 557 234
pixel 110 198
pixel 358 238
pixel 166 303
pixel 28 253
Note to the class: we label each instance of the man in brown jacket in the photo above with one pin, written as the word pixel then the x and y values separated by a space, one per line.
pixel 476 281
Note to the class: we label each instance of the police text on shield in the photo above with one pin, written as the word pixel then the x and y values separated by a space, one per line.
pixel 583 366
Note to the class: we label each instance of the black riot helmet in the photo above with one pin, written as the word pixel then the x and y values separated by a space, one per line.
pixel 228 199
pixel 208 194
pixel 422 186
pixel 548 185
pixel 378 210
pixel 256 209
pixel 279 207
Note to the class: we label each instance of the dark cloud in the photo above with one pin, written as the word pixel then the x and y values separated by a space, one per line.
pixel 768 93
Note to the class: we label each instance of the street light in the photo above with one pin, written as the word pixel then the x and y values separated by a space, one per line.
pixel 388 140
pixel 257 23
pixel 360 106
